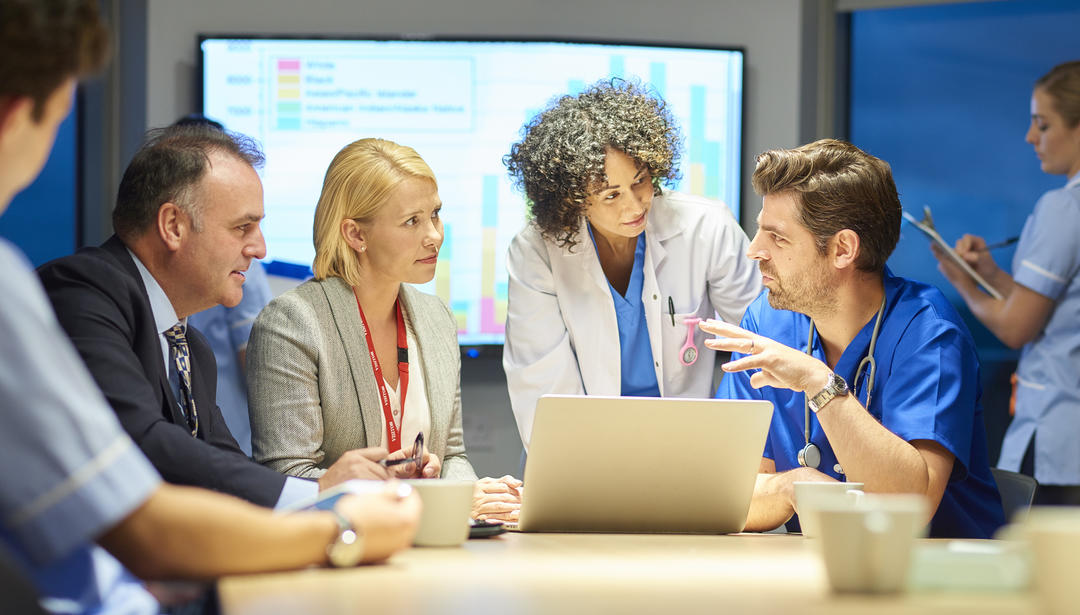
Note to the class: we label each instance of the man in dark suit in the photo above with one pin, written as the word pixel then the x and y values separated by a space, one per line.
pixel 187 228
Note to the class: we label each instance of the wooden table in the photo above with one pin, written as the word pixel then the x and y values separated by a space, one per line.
pixel 550 573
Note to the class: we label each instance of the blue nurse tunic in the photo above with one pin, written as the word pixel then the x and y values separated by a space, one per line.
pixel 1047 261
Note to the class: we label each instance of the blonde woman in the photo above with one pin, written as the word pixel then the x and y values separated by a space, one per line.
pixel 356 358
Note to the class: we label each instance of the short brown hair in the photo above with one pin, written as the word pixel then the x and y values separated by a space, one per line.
pixel 1062 83
pixel 838 186
pixel 167 168
pixel 43 43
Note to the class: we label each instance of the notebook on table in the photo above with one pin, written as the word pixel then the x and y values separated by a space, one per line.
pixel 639 464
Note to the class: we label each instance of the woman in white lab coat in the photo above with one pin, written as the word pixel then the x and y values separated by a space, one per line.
pixel 609 275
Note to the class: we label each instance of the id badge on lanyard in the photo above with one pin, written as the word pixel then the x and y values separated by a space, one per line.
pixel 393 433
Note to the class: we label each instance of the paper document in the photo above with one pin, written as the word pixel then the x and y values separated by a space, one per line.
pixel 926 225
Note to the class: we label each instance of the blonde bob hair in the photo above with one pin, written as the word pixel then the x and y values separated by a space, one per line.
pixel 358 183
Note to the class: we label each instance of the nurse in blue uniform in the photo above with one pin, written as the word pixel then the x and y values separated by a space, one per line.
pixel 873 377
pixel 612 273
pixel 1040 311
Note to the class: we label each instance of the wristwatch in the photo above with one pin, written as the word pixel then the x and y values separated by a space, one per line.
pixel 348 548
pixel 835 388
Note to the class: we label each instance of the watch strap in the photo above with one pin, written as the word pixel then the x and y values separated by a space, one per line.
pixel 347 547
pixel 836 387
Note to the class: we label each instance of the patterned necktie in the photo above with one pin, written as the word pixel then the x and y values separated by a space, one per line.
pixel 182 358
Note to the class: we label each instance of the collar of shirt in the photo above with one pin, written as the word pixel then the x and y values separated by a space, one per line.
pixel 1073 181
pixel 859 347
pixel 160 306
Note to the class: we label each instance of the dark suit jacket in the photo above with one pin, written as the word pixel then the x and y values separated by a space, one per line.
pixel 101 302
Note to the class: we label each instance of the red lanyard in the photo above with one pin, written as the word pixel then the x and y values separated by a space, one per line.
pixel 393 434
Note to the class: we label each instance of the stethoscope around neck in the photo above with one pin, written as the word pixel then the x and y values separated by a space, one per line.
pixel 810 455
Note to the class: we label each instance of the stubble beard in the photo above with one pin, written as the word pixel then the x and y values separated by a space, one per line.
pixel 810 292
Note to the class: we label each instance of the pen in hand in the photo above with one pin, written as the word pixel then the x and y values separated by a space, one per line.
pixel 1001 244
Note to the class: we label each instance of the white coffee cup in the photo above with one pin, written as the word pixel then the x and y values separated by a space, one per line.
pixel 444 520
pixel 810 496
pixel 867 548
pixel 1054 536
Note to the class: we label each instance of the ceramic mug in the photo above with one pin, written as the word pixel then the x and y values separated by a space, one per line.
pixel 810 496
pixel 444 520
pixel 867 548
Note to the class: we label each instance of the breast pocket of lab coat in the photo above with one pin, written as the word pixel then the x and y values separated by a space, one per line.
pixel 681 380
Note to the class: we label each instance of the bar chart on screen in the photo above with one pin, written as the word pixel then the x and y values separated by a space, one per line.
pixel 460 105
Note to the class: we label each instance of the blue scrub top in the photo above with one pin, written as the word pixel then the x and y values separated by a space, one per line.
pixel 927 388
pixel 638 374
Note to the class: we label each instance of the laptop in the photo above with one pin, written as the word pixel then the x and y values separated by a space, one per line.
pixel 642 464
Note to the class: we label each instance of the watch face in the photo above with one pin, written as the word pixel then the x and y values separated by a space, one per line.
pixel 689 355
pixel 839 385
pixel 347 550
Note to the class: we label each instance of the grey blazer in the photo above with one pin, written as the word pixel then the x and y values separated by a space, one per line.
pixel 311 390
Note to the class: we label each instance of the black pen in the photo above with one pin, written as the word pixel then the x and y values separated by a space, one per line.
pixel 1001 244
pixel 671 309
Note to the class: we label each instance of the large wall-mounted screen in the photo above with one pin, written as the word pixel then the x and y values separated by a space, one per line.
pixel 460 104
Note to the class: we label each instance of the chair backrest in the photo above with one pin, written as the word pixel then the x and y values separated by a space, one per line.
pixel 17 591
pixel 1017 492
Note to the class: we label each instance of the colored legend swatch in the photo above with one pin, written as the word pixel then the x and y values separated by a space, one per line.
pixel 288 94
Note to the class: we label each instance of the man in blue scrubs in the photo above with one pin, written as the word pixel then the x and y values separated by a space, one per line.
pixel 911 421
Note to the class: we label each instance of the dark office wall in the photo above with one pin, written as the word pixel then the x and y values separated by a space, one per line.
pixel 943 94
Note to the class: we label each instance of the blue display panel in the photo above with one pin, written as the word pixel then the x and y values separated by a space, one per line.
pixel 41 219
pixel 943 94
pixel 460 104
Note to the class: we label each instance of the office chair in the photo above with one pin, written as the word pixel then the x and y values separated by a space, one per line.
pixel 16 590
pixel 1017 492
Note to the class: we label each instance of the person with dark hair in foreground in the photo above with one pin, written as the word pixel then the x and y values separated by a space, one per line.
pixel 75 478
pixel 879 370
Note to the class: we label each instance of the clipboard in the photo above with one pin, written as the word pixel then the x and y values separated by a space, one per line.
pixel 926 225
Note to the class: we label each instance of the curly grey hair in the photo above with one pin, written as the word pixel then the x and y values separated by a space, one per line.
pixel 560 158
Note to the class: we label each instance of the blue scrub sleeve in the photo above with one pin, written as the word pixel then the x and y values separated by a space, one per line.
pixel 1048 257
pixel 71 470
pixel 932 392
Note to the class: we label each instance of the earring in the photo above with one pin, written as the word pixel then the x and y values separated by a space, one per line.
pixel 362 248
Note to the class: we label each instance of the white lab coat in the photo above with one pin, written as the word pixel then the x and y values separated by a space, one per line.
pixel 562 335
